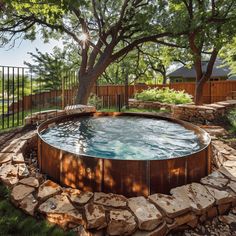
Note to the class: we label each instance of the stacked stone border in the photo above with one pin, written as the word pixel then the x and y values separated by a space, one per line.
pixel 112 214
pixel 200 114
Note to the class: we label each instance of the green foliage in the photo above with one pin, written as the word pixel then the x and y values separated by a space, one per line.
pixel 149 65
pixel 15 222
pixel 13 88
pixel 232 119
pixel 228 53
pixel 94 100
pixel 164 95
pixel 51 68
pixel 115 28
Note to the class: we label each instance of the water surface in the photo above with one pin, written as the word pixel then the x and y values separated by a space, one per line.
pixel 123 137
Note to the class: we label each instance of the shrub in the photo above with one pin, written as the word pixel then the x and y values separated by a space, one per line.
pixel 164 95
pixel 94 100
pixel 232 119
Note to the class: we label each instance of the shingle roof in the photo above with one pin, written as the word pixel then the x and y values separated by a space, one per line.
pixel 184 72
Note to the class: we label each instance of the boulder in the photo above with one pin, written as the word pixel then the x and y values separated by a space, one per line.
pixel 19 192
pixel 170 205
pixel 161 230
pixel 182 220
pixel 222 197
pixel 121 222
pixel 95 216
pixel 230 163
pixel 5 157
pixel 149 217
pixel 232 186
pixel 8 174
pixel 15 146
pixel 47 190
pixel 78 197
pixel 29 204
pixel 228 219
pixel 110 199
pixel 229 172
pixel 59 210
pixel 215 179
pixel 29 135
pixel 30 181
pixel 195 195
pixel 8 169
pixel 79 108
pixel 22 171
pixel 18 158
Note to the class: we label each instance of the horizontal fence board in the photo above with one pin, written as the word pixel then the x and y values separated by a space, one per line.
pixel 212 92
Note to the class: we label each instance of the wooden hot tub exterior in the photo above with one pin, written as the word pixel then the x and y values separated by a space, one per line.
pixel 126 177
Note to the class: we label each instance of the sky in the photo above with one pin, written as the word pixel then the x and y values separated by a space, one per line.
pixel 18 54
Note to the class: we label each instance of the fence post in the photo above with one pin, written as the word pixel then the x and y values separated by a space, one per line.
pixel 119 102
pixel 63 93
pixel 127 91
pixel 210 91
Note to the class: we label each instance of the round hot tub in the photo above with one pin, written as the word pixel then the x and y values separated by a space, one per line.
pixel 125 153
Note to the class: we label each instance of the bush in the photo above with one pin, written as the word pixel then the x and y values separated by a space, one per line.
pixel 232 119
pixel 164 95
pixel 94 100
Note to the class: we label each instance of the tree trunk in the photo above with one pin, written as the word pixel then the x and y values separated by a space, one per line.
pixel 198 99
pixel 84 90
pixel 164 79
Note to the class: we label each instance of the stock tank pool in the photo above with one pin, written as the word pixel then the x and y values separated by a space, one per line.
pixel 126 153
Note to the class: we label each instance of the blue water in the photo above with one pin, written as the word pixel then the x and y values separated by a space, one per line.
pixel 124 137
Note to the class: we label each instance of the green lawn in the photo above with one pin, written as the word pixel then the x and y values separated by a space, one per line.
pixel 13 123
pixel 5 108
pixel 14 222
pixel 133 110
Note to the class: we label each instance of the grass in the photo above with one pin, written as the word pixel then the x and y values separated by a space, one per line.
pixel 10 123
pixel 14 222
pixel 4 107
pixel 231 116
pixel 133 110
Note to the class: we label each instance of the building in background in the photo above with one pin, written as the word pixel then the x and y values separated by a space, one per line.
pixel 185 74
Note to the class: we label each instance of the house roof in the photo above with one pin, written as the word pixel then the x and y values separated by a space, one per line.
pixel 184 72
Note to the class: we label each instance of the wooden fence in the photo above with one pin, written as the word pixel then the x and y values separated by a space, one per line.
pixel 213 92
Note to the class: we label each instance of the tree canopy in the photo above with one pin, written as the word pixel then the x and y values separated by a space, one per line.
pixel 208 25
pixel 105 31
pixel 51 68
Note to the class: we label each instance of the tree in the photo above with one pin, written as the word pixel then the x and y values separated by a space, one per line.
pixel 50 68
pixel 135 66
pixel 105 30
pixel 208 26
pixel 228 54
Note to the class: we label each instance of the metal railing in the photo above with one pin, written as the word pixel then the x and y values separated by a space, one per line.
pixel 23 92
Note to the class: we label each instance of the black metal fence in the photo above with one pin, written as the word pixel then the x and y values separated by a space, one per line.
pixel 23 92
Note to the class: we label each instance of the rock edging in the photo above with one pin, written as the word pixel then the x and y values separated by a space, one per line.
pixel 114 214
pixel 189 112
